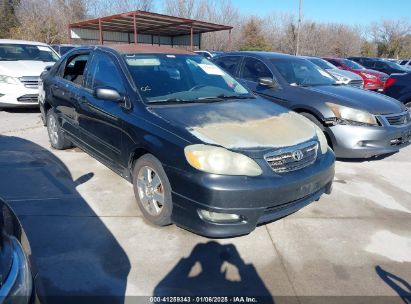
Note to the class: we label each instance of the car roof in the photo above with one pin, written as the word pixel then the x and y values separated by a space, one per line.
pixel 13 41
pixel 266 55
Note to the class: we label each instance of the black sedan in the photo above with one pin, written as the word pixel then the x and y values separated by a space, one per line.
pixel 200 149
pixel 378 64
pixel 17 271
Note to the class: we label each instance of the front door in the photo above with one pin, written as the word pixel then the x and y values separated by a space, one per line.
pixel 100 120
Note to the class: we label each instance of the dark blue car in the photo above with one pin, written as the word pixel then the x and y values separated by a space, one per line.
pixel 398 86
pixel 200 149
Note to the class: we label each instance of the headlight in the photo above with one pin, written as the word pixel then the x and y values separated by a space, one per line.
pixel 322 139
pixel 8 79
pixel 350 115
pixel 369 76
pixel 218 160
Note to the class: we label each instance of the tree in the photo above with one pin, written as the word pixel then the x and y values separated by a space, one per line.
pixel 391 37
pixel 8 18
pixel 253 40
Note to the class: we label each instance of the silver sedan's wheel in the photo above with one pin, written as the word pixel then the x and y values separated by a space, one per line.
pixel 150 190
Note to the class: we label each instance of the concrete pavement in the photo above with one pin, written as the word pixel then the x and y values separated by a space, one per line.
pixel 88 236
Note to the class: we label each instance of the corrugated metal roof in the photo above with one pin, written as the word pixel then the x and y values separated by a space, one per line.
pixel 141 48
pixel 149 23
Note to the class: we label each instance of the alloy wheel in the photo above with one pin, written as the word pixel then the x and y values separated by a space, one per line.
pixel 150 190
pixel 53 130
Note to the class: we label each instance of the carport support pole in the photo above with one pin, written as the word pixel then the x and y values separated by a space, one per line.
pixel 100 31
pixel 191 39
pixel 135 29
pixel 229 40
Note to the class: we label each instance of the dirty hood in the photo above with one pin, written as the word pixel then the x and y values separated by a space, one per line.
pixel 23 68
pixel 242 124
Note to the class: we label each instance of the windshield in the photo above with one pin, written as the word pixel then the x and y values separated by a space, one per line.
pixel 298 72
pixel 352 65
pixel 394 65
pixel 179 78
pixel 322 63
pixel 16 52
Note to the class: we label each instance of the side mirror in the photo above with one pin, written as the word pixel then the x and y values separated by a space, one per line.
pixel 268 82
pixel 107 94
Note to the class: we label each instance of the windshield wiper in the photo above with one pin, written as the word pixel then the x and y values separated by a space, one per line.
pixel 170 100
pixel 226 97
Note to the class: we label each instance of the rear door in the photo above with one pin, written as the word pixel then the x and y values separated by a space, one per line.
pixel 65 89
pixel 100 120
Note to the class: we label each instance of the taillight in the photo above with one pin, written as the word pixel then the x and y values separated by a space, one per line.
pixel 389 82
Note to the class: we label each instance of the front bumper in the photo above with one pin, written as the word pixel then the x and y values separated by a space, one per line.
pixel 15 96
pixel 256 199
pixel 367 141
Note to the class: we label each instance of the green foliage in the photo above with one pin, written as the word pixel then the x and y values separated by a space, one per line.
pixel 253 40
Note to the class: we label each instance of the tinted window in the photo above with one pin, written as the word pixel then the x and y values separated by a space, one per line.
pixel 228 63
pixel 103 72
pixel 254 69
pixel 334 62
pixel 322 63
pixel 352 64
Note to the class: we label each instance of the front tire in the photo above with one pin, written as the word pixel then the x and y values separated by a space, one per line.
pixel 152 190
pixel 56 135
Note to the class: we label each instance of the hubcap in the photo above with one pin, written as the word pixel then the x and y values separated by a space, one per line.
pixel 150 190
pixel 53 130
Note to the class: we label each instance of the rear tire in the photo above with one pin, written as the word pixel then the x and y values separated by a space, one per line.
pixel 56 135
pixel 152 190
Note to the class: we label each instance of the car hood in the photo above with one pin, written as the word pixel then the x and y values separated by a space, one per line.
pixel 371 102
pixel 23 68
pixel 344 73
pixel 373 72
pixel 242 124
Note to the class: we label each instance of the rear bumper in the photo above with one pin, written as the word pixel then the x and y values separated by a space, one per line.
pixel 256 200
pixel 365 142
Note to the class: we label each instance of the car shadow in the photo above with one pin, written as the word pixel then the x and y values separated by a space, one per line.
pixel 77 257
pixel 211 270
pixel 363 160
pixel 399 285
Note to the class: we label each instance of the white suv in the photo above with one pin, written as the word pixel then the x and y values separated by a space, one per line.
pixel 21 63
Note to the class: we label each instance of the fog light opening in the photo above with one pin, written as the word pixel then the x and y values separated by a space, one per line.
pixel 217 217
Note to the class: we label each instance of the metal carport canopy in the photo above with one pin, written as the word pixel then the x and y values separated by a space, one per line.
pixel 146 23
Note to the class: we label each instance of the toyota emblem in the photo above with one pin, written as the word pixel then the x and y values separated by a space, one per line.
pixel 298 155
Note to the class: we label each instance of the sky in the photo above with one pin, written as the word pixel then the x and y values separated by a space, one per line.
pixel 354 12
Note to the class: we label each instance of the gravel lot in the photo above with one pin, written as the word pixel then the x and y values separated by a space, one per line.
pixel 89 238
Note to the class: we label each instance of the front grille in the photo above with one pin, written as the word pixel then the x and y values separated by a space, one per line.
pixel 292 158
pixel 356 83
pixel 398 119
pixel 31 82
pixel 32 98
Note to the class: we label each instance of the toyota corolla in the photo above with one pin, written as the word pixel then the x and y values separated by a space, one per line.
pixel 200 149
